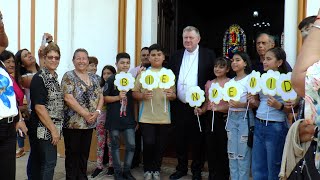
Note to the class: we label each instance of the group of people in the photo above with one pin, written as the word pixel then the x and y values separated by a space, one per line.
pixel 84 100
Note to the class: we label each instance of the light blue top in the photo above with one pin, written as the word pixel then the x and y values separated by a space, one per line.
pixel 273 114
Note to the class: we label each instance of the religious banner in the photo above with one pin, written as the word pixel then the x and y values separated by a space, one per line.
pixel 232 91
pixel 253 82
pixel 124 81
pixel 268 82
pixel 195 97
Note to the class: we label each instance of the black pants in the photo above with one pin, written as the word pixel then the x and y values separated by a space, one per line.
pixel 77 147
pixel 137 153
pixel 154 144
pixel 187 133
pixel 216 143
pixel 7 151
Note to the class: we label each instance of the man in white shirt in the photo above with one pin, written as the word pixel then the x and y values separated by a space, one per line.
pixel 192 66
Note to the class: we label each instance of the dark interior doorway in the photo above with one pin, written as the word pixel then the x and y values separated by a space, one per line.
pixel 212 22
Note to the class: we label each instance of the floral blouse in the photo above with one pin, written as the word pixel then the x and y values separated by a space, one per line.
pixel 86 96
pixel 312 102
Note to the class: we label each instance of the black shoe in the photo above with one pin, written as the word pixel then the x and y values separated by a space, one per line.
pixel 128 175
pixel 118 176
pixel 96 172
pixel 135 165
pixel 177 175
pixel 196 176
pixel 110 171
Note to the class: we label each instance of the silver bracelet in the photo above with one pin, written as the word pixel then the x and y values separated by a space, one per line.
pixel 316 26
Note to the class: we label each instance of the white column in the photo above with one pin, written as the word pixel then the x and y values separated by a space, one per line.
pixel 313 7
pixel 290 30
pixel 131 30
pixel 149 22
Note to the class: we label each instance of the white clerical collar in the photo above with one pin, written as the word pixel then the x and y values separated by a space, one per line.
pixel 192 53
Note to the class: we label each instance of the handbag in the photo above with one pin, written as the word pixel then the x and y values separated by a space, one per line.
pixel 250 133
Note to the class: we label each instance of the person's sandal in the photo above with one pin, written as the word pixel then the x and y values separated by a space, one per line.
pixel 20 152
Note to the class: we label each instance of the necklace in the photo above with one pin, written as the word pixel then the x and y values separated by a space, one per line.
pixel 185 77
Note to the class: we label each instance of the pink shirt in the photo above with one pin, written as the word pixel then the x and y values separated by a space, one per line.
pixel 207 87
pixel 18 92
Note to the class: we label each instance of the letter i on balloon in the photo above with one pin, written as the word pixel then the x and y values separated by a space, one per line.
pixel 253 85
pixel 149 80
pixel 124 82
pixel 215 96
pixel 195 97
pixel 166 81
pixel 268 85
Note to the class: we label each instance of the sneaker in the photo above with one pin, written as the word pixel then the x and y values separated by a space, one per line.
pixel 147 175
pixel 156 175
pixel 20 152
pixel 128 175
pixel 110 171
pixel 96 172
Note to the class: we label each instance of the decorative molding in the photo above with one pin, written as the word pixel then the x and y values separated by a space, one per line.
pixel 33 28
pixel 138 31
pixel 56 7
pixel 122 19
pixel 302 12
pixel 19 26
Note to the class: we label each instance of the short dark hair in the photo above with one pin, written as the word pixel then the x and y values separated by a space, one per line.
pixel 79 50
pixel 6 55
pixel 122 55
pixel 93 59
pixel 156 47
pixel 306 21
pixel 144 48
pixel 52 47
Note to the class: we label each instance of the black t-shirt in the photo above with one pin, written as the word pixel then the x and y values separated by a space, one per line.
pixel 114 121
pixel 38 95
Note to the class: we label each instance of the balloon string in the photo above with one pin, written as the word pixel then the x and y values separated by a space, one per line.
pixel 212 120
pixel 199 122
pixel 245 115
pixel 151 106
pixel 294 116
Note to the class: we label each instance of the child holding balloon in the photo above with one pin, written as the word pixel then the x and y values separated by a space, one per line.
pixel 120 117
pixel 216 135
pixel 271 119
pixel 154 87
pixel 239 115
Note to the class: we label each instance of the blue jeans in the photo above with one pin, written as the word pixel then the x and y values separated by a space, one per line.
pixel 239 153
pixel 44 160
pixel 20 141
pixel 268 143
pixel 129 137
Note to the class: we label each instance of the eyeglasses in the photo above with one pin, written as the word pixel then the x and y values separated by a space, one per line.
pixel 54 57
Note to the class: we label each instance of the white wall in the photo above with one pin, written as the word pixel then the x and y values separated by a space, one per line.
pixel 81 24
pixel 131 30
pixel 149 22
pixel 313 7
pixel 290 30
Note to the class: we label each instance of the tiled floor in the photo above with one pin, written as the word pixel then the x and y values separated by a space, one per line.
pixel 167 169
